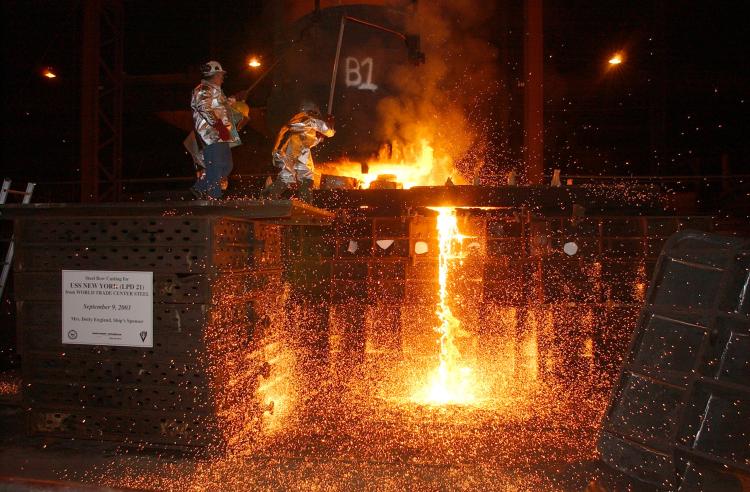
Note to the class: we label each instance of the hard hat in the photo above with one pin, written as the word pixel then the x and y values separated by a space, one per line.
pixel 212 67
pixel 309 107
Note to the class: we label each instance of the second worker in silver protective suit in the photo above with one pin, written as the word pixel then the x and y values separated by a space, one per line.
pixel 291 152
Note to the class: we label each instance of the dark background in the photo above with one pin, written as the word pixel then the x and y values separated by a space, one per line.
pixel 675 106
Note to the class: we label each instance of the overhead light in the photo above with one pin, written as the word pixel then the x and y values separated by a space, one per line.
pixel 253 62
pixel 616 59
pixel 47 72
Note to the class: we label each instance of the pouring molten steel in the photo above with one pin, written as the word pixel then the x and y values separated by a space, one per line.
pixel 451 382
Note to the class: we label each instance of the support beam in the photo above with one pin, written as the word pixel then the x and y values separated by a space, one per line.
pixel 533 62
pixel 101 100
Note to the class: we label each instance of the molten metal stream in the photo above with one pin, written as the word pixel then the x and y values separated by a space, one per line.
pixel 451 382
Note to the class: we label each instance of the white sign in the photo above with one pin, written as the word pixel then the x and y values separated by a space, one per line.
pixel 108 308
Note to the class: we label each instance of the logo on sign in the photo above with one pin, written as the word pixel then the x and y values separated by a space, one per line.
pixel 143 334
pixel 72 334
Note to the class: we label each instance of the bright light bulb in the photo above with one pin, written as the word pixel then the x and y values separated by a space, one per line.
pixel 616 59
pixel 253 62
pixel 47 72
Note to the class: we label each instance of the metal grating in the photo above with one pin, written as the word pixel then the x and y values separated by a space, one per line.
pixel 161 395
pixel 124 426
pixel 519 262
pixel 151 230
pixel 684 391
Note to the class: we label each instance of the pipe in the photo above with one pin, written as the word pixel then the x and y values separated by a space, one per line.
pixel 336 64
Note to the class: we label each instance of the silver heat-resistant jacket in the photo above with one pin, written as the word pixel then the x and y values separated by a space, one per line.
pixel 210 107
pixel 291 153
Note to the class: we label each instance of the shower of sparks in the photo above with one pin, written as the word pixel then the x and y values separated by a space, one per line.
pixel 10 385
pixel 502 398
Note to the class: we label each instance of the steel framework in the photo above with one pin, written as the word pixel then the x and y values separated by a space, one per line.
pixel 101 100
pixel 533 76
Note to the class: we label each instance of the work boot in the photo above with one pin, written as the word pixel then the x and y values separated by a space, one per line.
pixel 305 190
pixel 274 190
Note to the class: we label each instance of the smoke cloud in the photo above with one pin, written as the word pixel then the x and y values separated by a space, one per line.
pixel 447 100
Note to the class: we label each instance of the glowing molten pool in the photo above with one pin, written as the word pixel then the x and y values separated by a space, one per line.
pixel 416 164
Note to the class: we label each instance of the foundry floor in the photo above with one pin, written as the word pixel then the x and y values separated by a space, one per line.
pixel 342 442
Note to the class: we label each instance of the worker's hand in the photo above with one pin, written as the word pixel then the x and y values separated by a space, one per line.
pixel 223 132
pixel 330 121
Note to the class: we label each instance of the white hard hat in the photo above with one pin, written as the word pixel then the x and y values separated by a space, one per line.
pixel 211 67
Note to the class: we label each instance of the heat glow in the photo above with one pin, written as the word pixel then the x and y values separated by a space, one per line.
pixel 413 165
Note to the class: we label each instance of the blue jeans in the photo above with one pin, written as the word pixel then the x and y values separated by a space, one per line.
pixel 218 160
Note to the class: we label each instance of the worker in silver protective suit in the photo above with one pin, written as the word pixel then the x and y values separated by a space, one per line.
pixel 291 152
pixel 215 129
